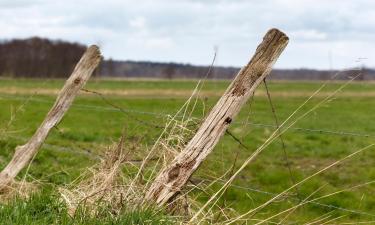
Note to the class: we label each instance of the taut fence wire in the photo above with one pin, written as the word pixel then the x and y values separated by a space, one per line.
pixel 167 115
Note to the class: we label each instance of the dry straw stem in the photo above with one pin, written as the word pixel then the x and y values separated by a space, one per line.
pixel 101 186
pixel 105 185
pixel 272 137
pixel 170 181
pixel 20 189
pixel 165 134
pixel 275 135
pixel 319 219
pixel 24 154
pixel 306 201
pixel 303 181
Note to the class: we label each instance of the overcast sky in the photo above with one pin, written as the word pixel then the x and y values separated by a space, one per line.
pixel 323 33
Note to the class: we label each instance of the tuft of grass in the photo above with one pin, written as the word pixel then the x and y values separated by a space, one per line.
pixel 46 207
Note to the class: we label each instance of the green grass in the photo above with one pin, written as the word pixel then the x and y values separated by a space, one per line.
pixel 91 125
pixel 46 208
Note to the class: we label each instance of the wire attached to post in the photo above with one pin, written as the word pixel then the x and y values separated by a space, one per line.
pixel 286 158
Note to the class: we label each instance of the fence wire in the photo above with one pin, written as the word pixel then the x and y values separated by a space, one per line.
pixel 352 211
pixel 168 115
pixel 55 147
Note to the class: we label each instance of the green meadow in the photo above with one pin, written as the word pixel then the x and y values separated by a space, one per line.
pixel 340 126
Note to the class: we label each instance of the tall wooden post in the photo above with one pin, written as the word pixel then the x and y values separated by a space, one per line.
pixel 76 81
pixel 171 179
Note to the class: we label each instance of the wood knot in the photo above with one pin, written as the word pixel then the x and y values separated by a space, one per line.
pixel 173 173
pixel 77 80
pixel 239 90
pixel 228 120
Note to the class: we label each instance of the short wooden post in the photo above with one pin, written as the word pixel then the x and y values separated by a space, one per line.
pixel 170 180
pixel 76 81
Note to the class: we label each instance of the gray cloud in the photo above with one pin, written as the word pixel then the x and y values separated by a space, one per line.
pixel 187 30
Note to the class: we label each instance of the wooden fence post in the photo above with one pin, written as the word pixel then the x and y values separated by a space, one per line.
pixel 170 180
pixel 23 154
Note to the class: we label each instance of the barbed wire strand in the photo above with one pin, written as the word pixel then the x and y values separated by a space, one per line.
pixel 117 108
pixel 161 115
pixel 293 198
pixel 277 124
pixel 89 153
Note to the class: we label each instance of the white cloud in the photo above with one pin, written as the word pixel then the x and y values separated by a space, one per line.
pixel 187 30
pixel 312 35
pixel 138 22
pixel 159 43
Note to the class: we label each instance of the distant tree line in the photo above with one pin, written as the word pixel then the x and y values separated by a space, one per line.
pixel 39 57
pixel 133 69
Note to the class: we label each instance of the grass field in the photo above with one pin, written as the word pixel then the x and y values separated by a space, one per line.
pixel 339 127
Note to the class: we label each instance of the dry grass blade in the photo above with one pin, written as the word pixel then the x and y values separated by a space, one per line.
pixel 272 137
pixel 101 185
pixel 320 219
pixel 359 222
pixel 20 189
pixel 105 185
pixel 300 182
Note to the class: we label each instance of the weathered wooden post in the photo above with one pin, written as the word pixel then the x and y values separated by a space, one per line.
pixel 170 180
pixel 76 81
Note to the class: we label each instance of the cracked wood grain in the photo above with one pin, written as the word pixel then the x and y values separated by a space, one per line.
pixel 169 182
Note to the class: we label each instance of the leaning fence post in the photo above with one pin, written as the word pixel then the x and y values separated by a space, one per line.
pixel 76 81
pixel 170 180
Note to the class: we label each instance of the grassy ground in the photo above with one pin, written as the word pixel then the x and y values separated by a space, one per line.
pixel 92 124
pixel 46 208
